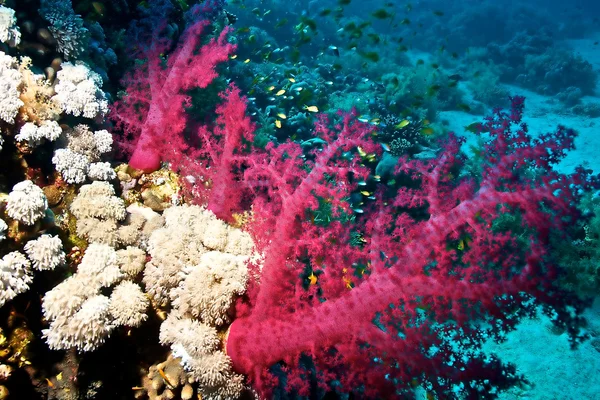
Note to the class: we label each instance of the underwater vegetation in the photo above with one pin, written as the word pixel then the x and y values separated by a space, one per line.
pixel 268 200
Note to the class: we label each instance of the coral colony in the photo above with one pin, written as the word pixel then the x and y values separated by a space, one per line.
pixel 240 264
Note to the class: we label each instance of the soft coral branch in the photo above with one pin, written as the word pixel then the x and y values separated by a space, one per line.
pixel 426 278
pixel 152 113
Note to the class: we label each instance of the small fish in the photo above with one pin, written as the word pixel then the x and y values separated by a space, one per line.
pixel 461 245
pixel 312 279
pixel 279 93
pixel 463 107
pixel 335 50
pixel 358 210
pixel 281 23
pixel 270 88
pixel 402 124
pixel 371 56
pixel 362 183
pixel 325 12
pixel 374 37
pixel 329 83
pixel 386 147
pixel 246 61
pixel 292 80
pixel 433 89
pixel 99 8
pixel 278 123
pixel 427 131
pixel 365 193
pixel 438 13
pixel 382 14
pixel 376 178
pixel 282 115
pixel 312 109
pixel 475 127
pixel 361 152
pixel 455 77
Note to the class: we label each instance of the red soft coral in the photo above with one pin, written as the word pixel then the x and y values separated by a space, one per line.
pixel 443 264
pixel 152 114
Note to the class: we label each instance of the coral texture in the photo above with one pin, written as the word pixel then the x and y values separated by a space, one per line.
pixel 26 203
pixel 10 80
pixel 152 113
pixel 437 256
pixel 15 276
pixel 78 91
pixel 45 252
pixel 9 31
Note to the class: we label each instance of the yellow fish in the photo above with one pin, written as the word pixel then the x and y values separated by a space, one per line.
pixel 247 61
pixel 402 124
pixel 292 80
pixel 311 108
pixel 233 57
pixel 312 278
pixel 365 193
pixel 282 91
pixel 282 115
pixel 270 88
pixel 427 131
pixel 278 123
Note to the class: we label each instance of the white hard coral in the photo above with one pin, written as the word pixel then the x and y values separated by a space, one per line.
pixel 196 344
pixel 81 158
pixel 79 315
pixel 98 212
pixel 98 200
pixel 128 304
pixel 9 31
pixel 85 330
pixel 78 91
pixel 10 80
pixel 34 134
pixel 15 276
pixel 26 203
pixel 209 289
pixel 45 252
pixel 189 232
pixel 72 166
pixel 131 260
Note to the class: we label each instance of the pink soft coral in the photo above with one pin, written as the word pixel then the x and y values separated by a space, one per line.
pixel 442 264
pixel 152 114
